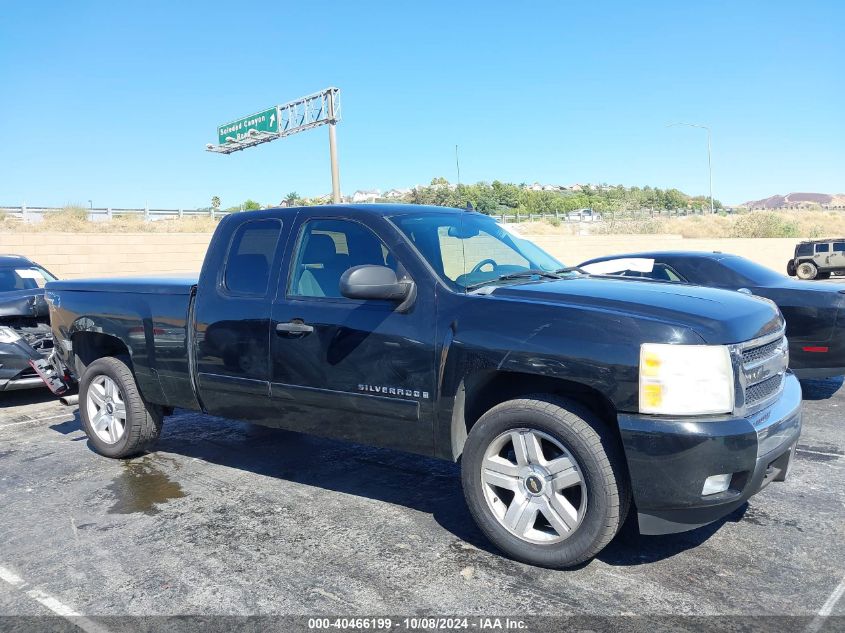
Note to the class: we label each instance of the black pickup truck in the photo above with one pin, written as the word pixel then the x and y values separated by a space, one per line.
pixel 567 397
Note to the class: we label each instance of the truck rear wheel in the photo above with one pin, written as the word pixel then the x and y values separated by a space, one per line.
pixel 806 270
pixel 790 268
pixel 545 481
pixel 116 419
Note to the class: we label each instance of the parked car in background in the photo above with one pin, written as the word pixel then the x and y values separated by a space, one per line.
pixel 814 312
pixel 583 215
pixel 24 321
pixel 817 259
pixel 567 399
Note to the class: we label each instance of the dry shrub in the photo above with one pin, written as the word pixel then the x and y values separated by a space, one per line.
pixel 764 224
pixel 71 218
pixel 545 227
pixel 647 226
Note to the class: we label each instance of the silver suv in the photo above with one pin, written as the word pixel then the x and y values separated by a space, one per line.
pixel 817 259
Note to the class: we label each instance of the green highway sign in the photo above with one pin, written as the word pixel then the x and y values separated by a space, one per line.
pixel 264 121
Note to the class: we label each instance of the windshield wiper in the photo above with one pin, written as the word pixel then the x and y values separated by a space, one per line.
pixel 522 274
pixel 571 269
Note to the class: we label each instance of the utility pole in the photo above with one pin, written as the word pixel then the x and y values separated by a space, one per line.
pixel 458 164
pixel 709 155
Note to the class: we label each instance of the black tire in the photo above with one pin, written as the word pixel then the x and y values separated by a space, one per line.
pixel 601 464
pixel 806 270
pixel 790 268
pixel 143 420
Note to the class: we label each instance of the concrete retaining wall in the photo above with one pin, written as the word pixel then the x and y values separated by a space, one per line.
pixel 69 255
pixel 110 254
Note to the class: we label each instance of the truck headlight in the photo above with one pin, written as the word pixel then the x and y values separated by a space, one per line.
pixel 8 335
pixel 685 379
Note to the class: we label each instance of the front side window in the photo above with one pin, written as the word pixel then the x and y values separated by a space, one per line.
pixel 467 249
pixel 250 257
pixel 23 278
pixel 822 248
pixel 327 249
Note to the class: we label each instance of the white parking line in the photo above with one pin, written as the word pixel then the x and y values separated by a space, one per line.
pixel 53 604
pixel 47 419
pixel 807 450
pixel 827 607
pixel 11 577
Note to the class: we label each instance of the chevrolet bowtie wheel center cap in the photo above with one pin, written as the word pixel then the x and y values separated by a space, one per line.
pixel 534 484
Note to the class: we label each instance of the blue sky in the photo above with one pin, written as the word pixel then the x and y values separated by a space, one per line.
pixel 114 101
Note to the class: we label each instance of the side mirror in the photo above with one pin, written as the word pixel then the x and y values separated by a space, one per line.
pixel 373 282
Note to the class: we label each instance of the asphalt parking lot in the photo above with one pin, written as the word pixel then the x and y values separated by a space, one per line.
pixel 229 518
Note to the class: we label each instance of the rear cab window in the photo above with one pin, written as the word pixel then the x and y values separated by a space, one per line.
pixel 250 257
pixel 804 250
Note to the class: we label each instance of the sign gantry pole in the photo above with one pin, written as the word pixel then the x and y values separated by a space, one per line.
pixel 333 150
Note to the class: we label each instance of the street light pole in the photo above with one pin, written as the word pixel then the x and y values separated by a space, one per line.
pixel 709 155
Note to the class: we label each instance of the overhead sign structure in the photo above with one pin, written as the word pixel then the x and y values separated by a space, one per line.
pixel 320 108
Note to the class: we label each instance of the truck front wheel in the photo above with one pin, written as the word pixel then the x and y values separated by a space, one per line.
pixel 116 418
pixel 545 481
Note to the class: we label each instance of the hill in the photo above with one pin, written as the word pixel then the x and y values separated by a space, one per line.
pixel 795 200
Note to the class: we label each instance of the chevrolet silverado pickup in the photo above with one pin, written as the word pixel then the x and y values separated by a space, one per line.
pixel 567 398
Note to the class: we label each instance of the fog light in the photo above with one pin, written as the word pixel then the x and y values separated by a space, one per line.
pixel 716 483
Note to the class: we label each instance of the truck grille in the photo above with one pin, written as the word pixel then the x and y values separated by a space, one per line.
pixel 763 366
pixel 763 352
pixel 763 390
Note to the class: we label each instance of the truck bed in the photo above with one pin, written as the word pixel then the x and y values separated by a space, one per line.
pixel 149 315
pixel 164 284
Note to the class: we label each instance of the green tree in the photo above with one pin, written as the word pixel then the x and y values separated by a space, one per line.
pixel 215 203
pixel 292 199
pixel 251 205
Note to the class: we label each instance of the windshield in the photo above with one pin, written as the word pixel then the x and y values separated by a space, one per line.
pixel 468 249
pixel 23 278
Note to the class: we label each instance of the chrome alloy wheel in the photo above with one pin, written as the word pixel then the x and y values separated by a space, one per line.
pixel 533 486
pixel 106 409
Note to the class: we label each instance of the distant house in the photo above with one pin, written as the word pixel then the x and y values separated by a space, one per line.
pixel 397 194
pixel 366 195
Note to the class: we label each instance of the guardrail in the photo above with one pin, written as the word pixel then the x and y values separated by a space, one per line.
pixel 35 214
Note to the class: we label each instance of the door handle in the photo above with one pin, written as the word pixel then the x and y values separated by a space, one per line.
pixel 294 327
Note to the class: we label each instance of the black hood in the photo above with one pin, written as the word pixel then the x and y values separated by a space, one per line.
pixel 718 316
pixel 23 303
